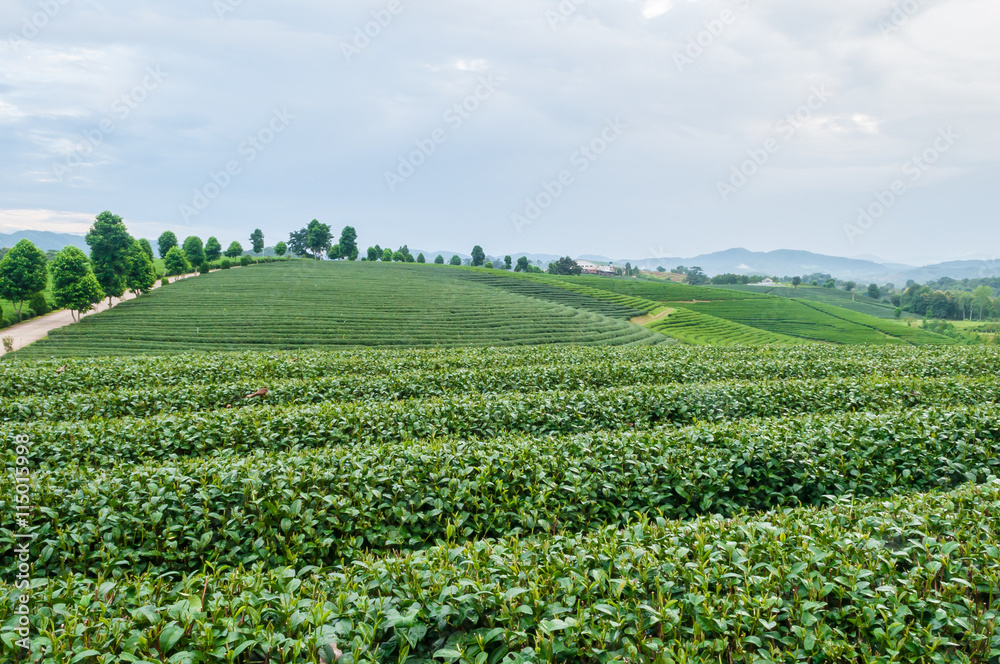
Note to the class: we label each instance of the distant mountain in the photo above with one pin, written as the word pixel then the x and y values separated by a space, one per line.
pixel 44 240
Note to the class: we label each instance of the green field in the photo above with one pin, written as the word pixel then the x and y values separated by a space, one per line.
pixel 302 304
pixel 860 303
pixel 812 503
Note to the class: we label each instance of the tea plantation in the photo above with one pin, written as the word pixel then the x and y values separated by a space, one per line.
pixel 645 503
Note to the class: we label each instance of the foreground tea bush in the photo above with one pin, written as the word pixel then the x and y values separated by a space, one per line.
pixel 912 580
pixel 330 506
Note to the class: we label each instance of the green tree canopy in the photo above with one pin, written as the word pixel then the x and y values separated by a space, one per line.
pixel 421 259
pixel 372 254
pixel 439 260
pixel 74 285
pixel 507 262
pixel 335 252
pixel 297 244
pixel 257 241
pixel 280 249
pixel 235 250
pixel 166 242
pixel 176 262
pixel 22 274
pixel 318 237
pixel 398 257
pixel 109 245
pixel 141 275
pixel 147 248
pixel 522 265
pixel 213 249
pixel 194 250
pixel 348 242
pixel 565 265
pixel 455 260
pixel 386 255
pixel 478 256
pixel 874 292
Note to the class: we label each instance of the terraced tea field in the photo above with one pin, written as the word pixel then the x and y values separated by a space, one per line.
pixel 300 304
pixel 671 503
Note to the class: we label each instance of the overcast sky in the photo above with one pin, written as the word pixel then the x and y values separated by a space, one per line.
pixel 624 128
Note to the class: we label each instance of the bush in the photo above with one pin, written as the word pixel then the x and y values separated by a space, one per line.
pixel 39 304
pixel 8 344
pixel 244 261
pixel 204 268
pixel 225 264
pixel 164 281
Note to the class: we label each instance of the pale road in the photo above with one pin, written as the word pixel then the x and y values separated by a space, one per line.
pixel 38 328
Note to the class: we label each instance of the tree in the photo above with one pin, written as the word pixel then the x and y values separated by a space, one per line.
pixel 378 252
pixel 166 242
pixel 874 292
pixel 297 244
pixel 109 244
pixel 147 248
pixel 353 256
pixel 849 287
pixel 421 259
pixel 796 282
pixel 334 252
pixel 507 262
pixel 478 256
pixel 565 265
pixel 194 251
pixel 696 277
pixel 398 257
pixel 386 255
pixel 213 249
pixel 141 275
pixel 982 297
pixel 830 284
pixel 348 242
pixel 522 265
pixel 317 238
pixel 257 241
pixel 235 250
pixel 22 274
pixel 660 268
pixel 372 254
pixel 439 260
pixel 74 285
pixel 455 260
pixel 489 265
pixel 280 249
pixel 176 262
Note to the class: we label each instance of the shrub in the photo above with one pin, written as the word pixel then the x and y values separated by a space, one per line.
pixel 244 261
pixel 204 268
pixel 39 304
pixel 8 344
pixel 225 264
pixel 164 281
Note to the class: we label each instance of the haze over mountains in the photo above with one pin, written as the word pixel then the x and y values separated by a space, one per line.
pixel 781 262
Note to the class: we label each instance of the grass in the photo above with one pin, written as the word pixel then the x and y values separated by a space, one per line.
pixel 912 335
pixel 301 304
pixel 700 329
pixel 838 297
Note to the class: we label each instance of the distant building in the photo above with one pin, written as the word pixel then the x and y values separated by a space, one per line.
pixel 594 268
pixel 767 282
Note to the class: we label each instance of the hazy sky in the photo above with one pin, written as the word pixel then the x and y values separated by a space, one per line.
pixel 624 128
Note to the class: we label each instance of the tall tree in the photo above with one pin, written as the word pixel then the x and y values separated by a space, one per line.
pixel 166 242
pixel 176 262
pixel 74 285
pixel 478 256
pixel 796 282
pixel 439 260
pixel 280 249
pixel 297 242
pixel 318 238
pixel 421 259
pixel 982 296
pixel 386 255
pixel 22 274
pixel 194 251
pixel 257 241
pixel 213 249
pixel 874 292
pixel 335 252
pixel 109 245
pixel 378 252
pixel 455 260
pixel 507 262
pixel 849 287
pixel 141 275
pixel 372 254
pixel 348 242
pixel 565 265
pixel 147 248
pixel 522 265
pixel 235 250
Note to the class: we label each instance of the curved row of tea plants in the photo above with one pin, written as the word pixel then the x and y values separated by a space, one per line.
pixel 903 580
pixel 261 427
pixel 328 506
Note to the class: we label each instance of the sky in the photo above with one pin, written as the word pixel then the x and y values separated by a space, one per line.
pixel 623 128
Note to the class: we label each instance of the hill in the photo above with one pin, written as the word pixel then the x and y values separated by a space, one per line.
pixel 302 304
pixel 44 240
